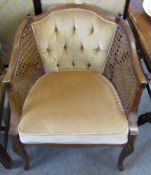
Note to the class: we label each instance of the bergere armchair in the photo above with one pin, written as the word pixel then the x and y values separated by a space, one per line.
pixel 74 78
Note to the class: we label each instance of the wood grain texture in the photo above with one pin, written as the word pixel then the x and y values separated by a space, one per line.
pixel 142 24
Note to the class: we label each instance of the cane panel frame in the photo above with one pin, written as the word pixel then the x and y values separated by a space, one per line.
pixel 122 67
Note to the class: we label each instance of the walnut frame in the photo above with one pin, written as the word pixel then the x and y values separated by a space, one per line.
pixel 140 80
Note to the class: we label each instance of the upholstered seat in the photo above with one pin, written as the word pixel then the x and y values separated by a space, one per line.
pixel 73 107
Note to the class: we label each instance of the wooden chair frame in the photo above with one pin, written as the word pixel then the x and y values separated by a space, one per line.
pixel 130 110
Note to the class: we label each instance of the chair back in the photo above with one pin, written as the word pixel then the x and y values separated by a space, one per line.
pixel 74 37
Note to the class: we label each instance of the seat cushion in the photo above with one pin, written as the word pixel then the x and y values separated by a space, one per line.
pixel 73 108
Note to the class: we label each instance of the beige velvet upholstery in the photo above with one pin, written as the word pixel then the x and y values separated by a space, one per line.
pixel 73 107
pixel 114 7
pixel 74 39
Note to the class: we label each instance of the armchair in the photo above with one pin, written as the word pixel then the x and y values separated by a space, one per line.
pixel 74 78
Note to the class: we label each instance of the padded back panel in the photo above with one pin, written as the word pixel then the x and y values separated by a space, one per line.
pixel 74 39
pixel 114 7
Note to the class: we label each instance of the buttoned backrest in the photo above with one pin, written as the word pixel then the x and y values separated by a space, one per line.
pixel 74 39
pixel 114 7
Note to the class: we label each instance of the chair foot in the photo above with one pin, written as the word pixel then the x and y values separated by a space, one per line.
pixel 19 149
pixel 5 159
pixel 126 151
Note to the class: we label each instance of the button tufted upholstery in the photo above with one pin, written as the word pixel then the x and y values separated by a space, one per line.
pixel 91 86
pixel 74 39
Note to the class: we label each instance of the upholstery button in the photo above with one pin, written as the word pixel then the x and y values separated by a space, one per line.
pixel 65 47
pixel 97 49
pixel 89 65
pixel 92 30
pixel 48 49
pixel 73 64
pixel 58 65
pixel 100 46
pixel 74 29
pixel 56 29
pixel 81 48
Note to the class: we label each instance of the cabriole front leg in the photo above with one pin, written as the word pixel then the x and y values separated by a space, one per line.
pixel 126 151
pixel 19 149
pixel 129 146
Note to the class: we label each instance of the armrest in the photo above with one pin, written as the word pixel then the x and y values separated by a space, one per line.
pixel 133 51
pixel 123 69
pixel 24 69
